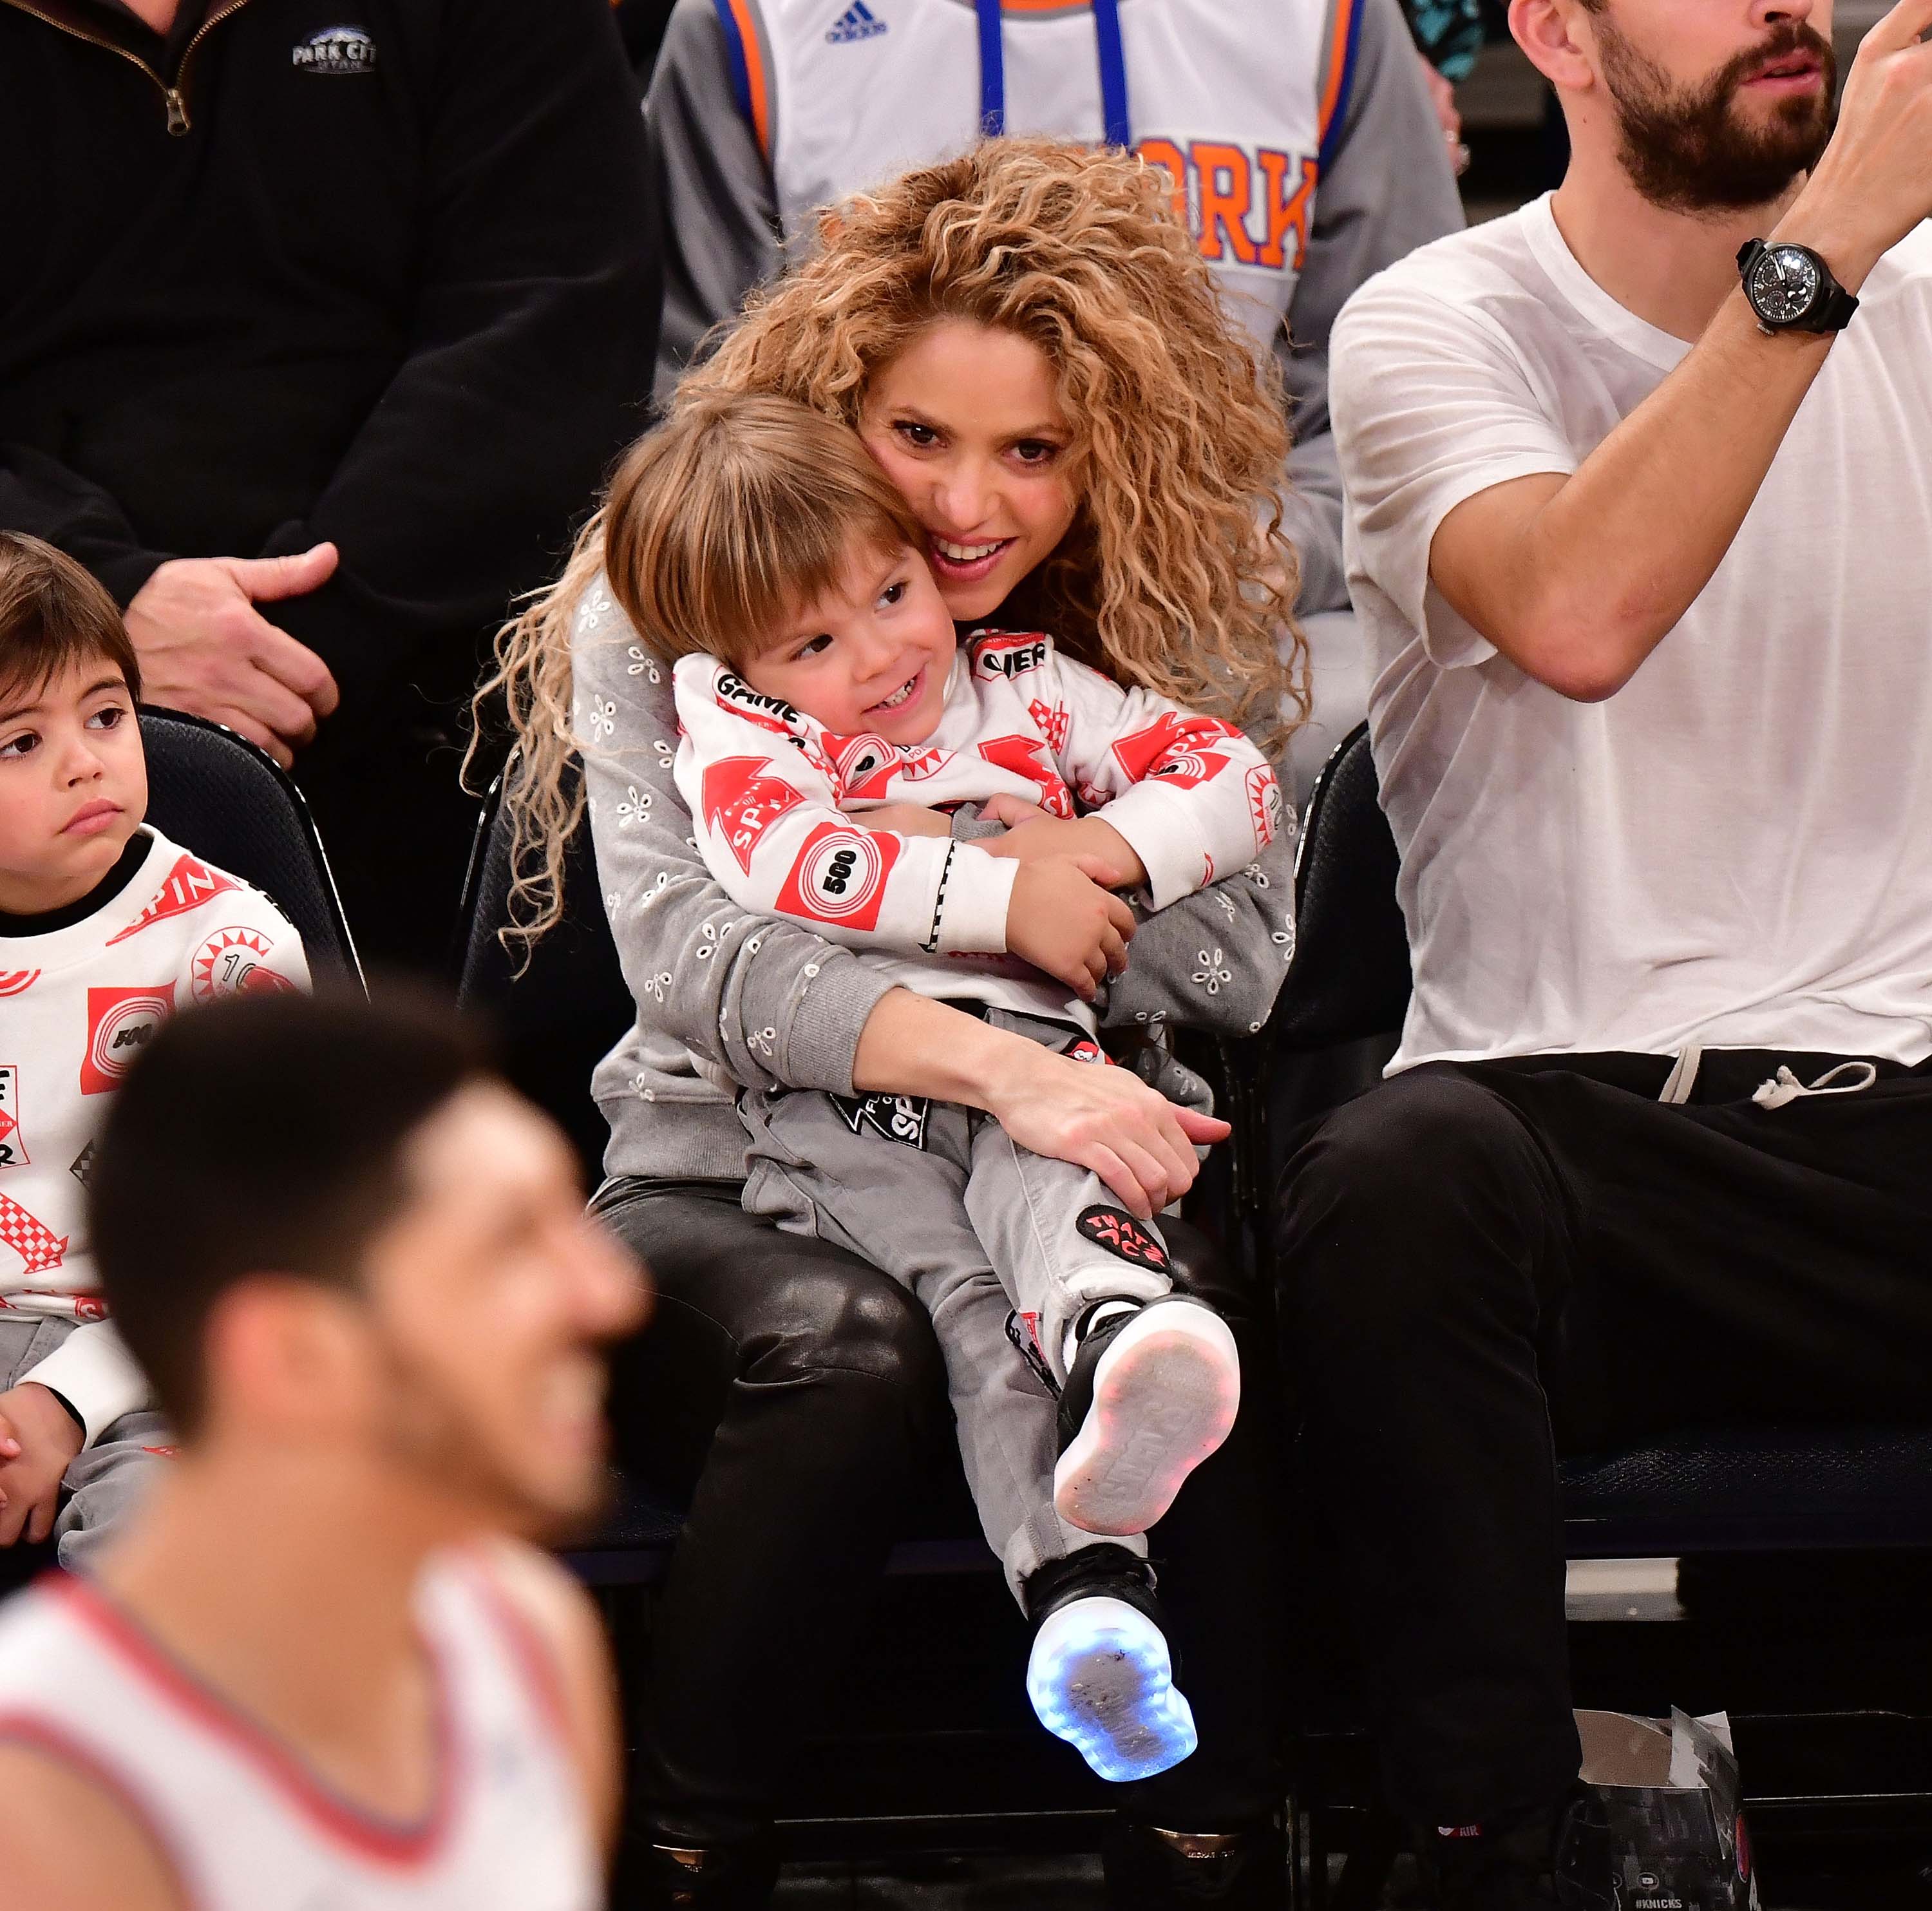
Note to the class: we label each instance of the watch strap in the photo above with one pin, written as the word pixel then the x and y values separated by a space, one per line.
pixel 1834 310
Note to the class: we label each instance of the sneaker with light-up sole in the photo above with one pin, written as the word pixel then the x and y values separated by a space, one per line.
pixel 1100 1676
pixel 1149 1395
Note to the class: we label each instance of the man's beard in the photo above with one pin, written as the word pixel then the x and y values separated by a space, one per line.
pixel 1684 149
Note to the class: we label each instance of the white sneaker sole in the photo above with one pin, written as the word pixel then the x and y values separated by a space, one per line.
pixel 1099 1677
pixel 1165 1397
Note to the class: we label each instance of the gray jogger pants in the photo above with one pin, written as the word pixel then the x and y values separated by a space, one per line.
pixel 104 1483
pixel 1003 1247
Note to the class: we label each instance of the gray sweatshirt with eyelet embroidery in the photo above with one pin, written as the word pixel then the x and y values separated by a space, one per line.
pixel 726 998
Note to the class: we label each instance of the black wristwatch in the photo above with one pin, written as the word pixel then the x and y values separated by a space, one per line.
pixel 1791 288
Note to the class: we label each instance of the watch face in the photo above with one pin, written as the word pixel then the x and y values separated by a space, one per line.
pixel 1784 284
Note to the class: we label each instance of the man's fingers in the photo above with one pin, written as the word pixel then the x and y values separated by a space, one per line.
pixel 297 667
pixel 1893 32
pixel 1115 1172
pixel 244 725
pixel 1201 1128
pixel 1114 946
pixel 1122 919
pixel 275 705
pixel 265 579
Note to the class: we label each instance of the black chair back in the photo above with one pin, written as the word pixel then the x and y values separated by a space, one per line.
pixel 560 1013
pixel 1350 977
pixel 215 793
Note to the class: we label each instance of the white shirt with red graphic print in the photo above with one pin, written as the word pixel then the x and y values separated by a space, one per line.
pixel 76 1005
pixel 774 793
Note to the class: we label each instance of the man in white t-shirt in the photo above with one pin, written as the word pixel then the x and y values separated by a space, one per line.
pixel 1644 557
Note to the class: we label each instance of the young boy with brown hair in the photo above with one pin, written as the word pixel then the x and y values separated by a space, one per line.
pixel 106 928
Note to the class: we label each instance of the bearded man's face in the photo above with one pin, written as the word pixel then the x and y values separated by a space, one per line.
pixel 1721 140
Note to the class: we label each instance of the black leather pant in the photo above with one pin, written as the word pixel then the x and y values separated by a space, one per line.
pixel 792 1394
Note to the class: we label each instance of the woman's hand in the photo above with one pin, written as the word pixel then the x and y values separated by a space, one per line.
pixel 1063 920
pixel 1105 1120
pixel 905 819
pixel 1032 834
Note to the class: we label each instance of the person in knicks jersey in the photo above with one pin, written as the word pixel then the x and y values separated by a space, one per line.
pixel 1299 134
pixel 324 1670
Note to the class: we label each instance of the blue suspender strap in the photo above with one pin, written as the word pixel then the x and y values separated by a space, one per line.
pixel 1113 73
pixel 992 71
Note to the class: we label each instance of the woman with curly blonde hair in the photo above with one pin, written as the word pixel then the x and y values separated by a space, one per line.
pixel 1028 345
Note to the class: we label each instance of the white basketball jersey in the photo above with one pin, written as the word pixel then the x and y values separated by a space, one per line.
pixel 245 1823
pixel 1236 98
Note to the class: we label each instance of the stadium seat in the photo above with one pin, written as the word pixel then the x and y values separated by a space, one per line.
pixel 216 793
pixel 560 1011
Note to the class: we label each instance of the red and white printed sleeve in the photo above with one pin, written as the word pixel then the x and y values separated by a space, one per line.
pixel 1192 795
pixel 762 794
pixel 244 946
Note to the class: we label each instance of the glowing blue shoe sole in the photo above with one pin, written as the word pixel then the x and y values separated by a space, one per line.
pixel 1100 1677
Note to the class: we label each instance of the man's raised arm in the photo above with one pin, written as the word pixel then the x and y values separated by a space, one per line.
pixel 1576 578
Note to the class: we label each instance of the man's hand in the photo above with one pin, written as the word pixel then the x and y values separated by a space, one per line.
pixel 38 1441
pixel 1105 1120
pixel 905 819
pixel 204 648
pixel 1032 834
pixel 1874 183
pixel 1062 919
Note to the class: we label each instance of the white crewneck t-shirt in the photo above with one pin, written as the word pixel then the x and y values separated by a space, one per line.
pixel 1735 850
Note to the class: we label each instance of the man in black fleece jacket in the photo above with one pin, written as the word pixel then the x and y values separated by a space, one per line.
pixel 335 308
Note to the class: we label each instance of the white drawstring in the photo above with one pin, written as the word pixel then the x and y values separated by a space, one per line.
pixel 1782 1089
pixel 1785 1088
pixel 1683 1076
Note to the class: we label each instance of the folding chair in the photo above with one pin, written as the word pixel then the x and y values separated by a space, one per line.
pixel 216 793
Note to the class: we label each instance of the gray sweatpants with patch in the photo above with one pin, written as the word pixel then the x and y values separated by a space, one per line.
pixel 1003 1247
pixel 104 1483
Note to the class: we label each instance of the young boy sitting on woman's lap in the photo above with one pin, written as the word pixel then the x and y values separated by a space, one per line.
pixel 830 714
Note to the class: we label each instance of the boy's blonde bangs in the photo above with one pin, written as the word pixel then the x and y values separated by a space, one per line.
pixel 736 513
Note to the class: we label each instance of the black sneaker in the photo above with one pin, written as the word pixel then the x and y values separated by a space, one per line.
pixel 1508 1867
pixel 1098 1675
pixel 654 1877
pixel 1149 1868
pixel 1151 1393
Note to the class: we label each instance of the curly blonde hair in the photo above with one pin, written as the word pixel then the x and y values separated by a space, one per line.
pixel 1174 574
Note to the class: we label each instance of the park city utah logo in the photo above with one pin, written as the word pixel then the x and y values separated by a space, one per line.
pixel 335 51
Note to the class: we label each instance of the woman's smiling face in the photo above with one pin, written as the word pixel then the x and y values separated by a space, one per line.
pixel 967 423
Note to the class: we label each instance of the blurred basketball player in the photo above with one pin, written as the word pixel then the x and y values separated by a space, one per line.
pixel 325 1669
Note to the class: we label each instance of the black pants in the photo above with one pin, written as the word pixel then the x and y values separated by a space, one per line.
pixel 1489 1265
pixel 386 789
pixel 795 1394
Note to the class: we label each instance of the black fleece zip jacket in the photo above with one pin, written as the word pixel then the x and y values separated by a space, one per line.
pixel 382 272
